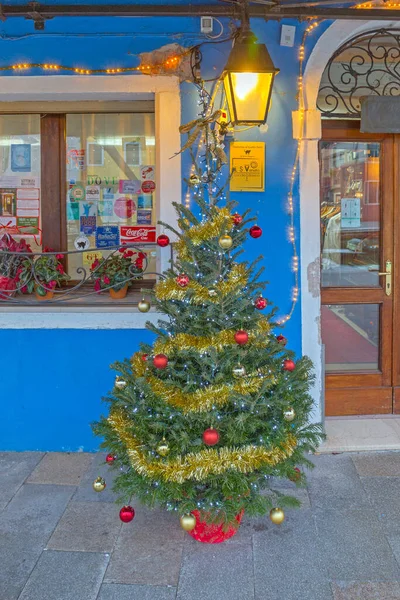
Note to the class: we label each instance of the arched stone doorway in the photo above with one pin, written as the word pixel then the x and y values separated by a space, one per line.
pixel 337 35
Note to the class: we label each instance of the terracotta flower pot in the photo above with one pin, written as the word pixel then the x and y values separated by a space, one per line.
pixel 213 533
pixel 118 294
pixel 48 295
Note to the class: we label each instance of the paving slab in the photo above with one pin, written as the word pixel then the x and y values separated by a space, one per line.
pixel 377 464
pixel 384 494
pixel 25 527
pixel 366 591
pixel 286 559
pixel 61 468
pixel 66 576
pixel 334 483
pixel 98 468
pixel 87 527
pixel 15 467
pixel 222 571
pixel 394 541
pixel 117 591
pixel 148 550
pixel 353 546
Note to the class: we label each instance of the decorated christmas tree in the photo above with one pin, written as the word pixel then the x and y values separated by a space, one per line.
pixel 203 420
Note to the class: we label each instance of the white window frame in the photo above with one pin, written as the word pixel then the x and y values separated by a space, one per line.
pixel 165 92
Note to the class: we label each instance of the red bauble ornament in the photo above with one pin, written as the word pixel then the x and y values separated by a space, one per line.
pixel 255 231
pixel 144 357
pixel 281 340
pixel 211 533
pixel 237 219
pixel 211 437
pixel 289 365
pixel 110 458
pixel 126 514
pixel 241 337
pixel 296 475
pixel 260 303
pixel 160 361
pixel 163 240
pixel 182 280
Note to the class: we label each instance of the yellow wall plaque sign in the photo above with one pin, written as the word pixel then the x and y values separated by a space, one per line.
pixel 247 166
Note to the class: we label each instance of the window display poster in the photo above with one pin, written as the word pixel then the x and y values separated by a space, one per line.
pixel 20 208
pixel 76 158
pixel 88 209
pixel 88 225
pixel 72 211
pixel 144 217
pixel 145 201
pixel 147 173
pixel 88 258
pixel 350 213
pixel 107 236
pixel 105 208
pixel 77 192
pixel 125 209
pixel 8 202
pixel 133 235
pixel 21 158
pixel 129 186
pixel 92 192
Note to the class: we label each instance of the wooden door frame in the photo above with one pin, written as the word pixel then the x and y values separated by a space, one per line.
pixel 366 392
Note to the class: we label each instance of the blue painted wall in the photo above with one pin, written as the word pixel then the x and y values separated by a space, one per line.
pixel 50 389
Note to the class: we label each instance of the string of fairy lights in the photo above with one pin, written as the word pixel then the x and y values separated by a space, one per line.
pixel 293 176
pixel 170 63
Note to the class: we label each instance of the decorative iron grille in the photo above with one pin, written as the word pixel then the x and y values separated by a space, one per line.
pixel 73 293
pixel 368 64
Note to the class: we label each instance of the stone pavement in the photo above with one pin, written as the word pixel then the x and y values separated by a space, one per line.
pixel 59 540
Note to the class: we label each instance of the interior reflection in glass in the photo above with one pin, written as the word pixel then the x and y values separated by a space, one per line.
pixel 350 214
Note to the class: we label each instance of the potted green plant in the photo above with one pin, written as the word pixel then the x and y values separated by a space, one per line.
pixel 43 274
pixel 115 272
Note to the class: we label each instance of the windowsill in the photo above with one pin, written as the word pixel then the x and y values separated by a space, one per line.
pixel 91 312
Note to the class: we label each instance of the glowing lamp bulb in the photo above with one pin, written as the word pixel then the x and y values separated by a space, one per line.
pixel 244 83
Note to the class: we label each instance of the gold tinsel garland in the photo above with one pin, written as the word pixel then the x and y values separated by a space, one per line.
pixel 202 399
pixel 199 294
pixel 219 224
pixel 198 465
pixel 186 341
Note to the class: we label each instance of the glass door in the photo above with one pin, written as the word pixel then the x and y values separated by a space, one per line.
pixel 357 200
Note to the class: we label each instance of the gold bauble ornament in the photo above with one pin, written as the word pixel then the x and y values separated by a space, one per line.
pixel 289 414
pixel 277 516
pixel 144 306
pixel 120 383
pixel 194 179
pixel 99 484
pixel 225 242
pixel 212 292
pixel 188 522
pixel 163 448
pixel 238 371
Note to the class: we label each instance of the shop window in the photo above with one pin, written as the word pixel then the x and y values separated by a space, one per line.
pixel 20 193
pixel 81 184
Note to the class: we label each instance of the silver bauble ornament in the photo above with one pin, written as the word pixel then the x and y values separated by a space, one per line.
pixel 238 371
pixel 120 383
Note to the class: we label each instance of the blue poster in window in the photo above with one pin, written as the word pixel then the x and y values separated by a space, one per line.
pixel 107 236
pixel 144 217
pixel 21 158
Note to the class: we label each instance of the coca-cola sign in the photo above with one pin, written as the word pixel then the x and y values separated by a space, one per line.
pixel 133 235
